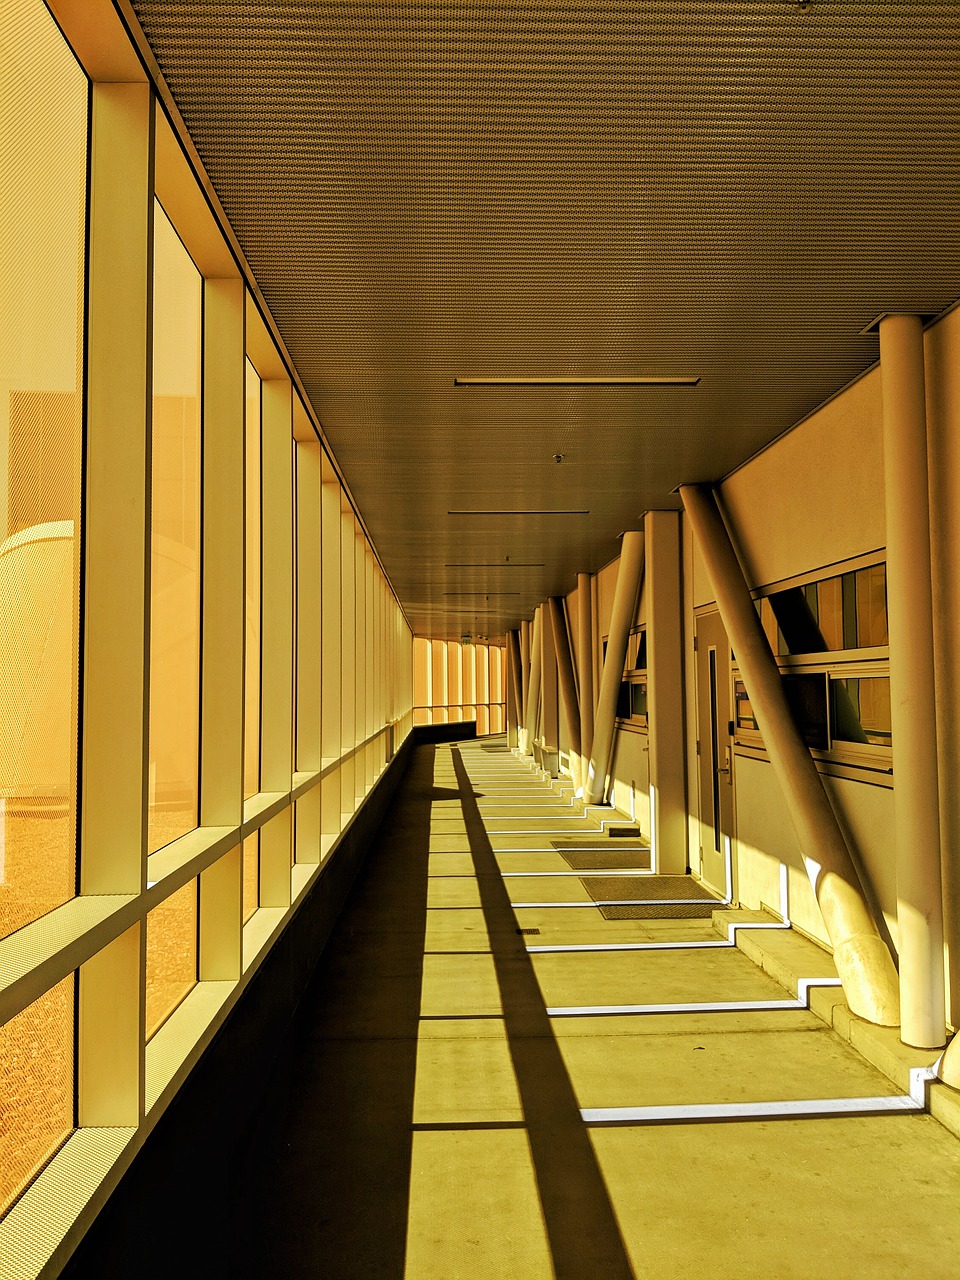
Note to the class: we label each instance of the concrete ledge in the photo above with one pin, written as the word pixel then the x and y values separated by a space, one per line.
pixel 787 956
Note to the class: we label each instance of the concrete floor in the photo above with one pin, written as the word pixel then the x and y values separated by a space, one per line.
pixel 426 1124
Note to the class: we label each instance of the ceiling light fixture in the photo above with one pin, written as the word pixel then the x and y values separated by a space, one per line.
pixel 481 594
pixel 499 511
pixel 496 564
pixel 578 380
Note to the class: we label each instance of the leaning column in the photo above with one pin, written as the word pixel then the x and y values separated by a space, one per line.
pixel 625 597
pixel 531 697
pixel 863 962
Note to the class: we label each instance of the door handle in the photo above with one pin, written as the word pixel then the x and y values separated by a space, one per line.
pixel 727 769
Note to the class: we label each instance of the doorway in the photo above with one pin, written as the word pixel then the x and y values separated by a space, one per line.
pixel 714 749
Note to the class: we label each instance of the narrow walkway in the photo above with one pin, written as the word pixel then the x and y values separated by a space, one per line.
pixel 448 1108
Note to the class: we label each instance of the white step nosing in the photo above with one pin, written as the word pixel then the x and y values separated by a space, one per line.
pixel 809 1108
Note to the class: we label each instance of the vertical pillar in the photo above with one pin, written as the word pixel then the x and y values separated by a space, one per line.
pixel 629 577
pixel 585 663
pixel 862 959
pixel 568 685
pixel 532 694
pixel 668 793
pixel 912 693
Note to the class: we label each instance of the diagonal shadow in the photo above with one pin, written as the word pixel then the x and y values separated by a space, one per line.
pixel 580 1221
pixel 323 1185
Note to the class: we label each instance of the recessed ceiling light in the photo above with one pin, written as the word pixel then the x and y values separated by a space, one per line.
pixel 485 595
pixel 496 564
pixel 500 511
pixel 578 380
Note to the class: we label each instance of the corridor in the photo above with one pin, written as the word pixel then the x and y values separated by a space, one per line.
pixel 466 1094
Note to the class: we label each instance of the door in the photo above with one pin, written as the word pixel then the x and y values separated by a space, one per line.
pixel 715 748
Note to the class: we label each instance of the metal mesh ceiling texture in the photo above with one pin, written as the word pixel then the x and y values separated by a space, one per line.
pixel 433 190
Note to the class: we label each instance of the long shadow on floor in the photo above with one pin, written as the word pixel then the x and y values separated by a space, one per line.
pixel 323 1184
pixel 581 1225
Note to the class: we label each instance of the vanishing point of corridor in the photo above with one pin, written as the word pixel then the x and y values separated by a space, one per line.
pixel 494 1076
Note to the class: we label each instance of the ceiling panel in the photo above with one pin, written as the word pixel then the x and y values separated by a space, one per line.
pixel 433 190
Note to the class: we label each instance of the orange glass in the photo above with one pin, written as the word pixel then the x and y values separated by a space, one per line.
pixel 36 1087
pixel 175 534
pixel 43 144
pixel 171 954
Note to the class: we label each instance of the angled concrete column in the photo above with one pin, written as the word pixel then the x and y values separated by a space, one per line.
pixel 549 736
pixel 515 707
pixel 912 694
pixel 568 684
pixel 664 608
pixel 625 597
pixel 863 962
pixel 531 705
pixel 585 663
pixel 524 668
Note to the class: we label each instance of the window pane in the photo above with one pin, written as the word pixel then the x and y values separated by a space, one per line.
pixel 861 710
pixel 744 708
pixel 769 624
pixel 807 698
pixel 36 1087
pixel 623 701
pixel 171 954
pixel 872 606
pixel 251 875
pixel 251 678
pixel 43 139
pixel 638 700
pixel 830 611
pixel 175 527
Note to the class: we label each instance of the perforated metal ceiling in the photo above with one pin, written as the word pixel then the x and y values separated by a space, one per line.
pixel 431 190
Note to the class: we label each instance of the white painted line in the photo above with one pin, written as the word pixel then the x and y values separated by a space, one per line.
pixel 636 946
pixel 530 875
pixel 735 926
pixel 626 902
pixel 710 1006
pixel 920 1080
pixel 533 832
pixel 717 1006
pixel 647 871
pixel 721 944
pixel 804 985
pixel 808 1107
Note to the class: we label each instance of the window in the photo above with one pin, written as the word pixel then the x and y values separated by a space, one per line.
pixel 175 540
pixel 43 169
pixel 830 638
pixel 632 696
pixel 171 954
pixel 251 675
pixel 846 611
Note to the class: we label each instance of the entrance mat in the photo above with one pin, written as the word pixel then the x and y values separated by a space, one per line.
pixel 699 904
pixel 596 855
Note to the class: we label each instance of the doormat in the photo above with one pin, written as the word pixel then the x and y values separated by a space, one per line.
pixel 659 894
pixel 597 855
